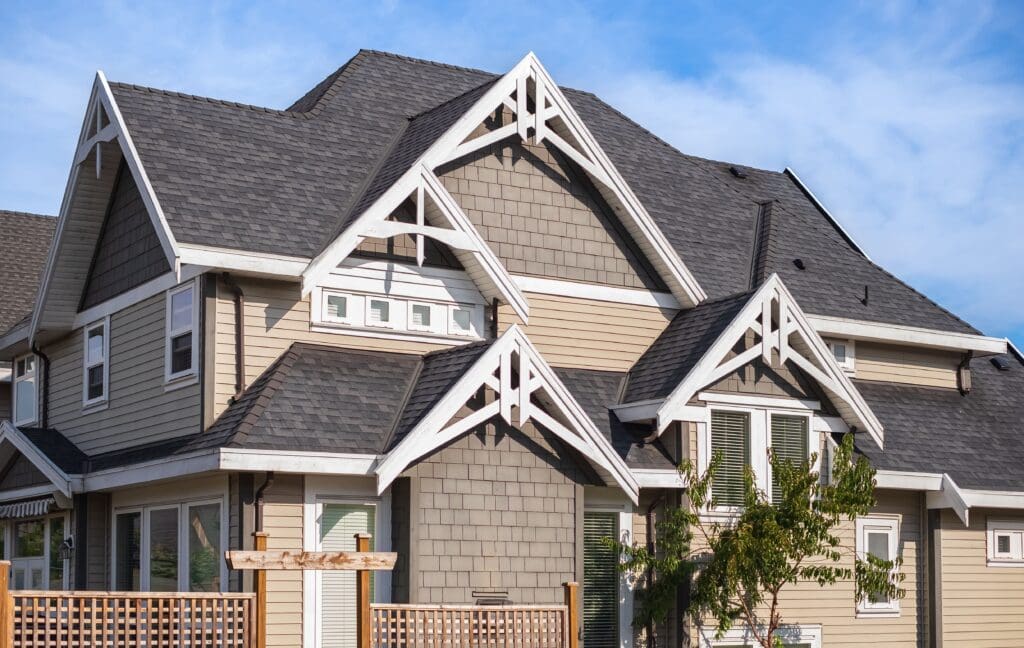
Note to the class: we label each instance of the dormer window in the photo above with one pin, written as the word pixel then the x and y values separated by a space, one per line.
pixel 461 321
pixel 25 390
pixel 843 352
pixel 378 312
pixel 95 367
pixel 180 345
pixel 343 310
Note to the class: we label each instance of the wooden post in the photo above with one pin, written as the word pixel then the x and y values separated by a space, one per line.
pixel 261 593
pixel 363 595
pixel 6 607
pixel 571 601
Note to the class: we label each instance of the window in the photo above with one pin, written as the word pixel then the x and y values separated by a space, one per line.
pixel 461 320
pixel 879 537
pixel 789 442
pixel 843 352
pixel 1005 543
pixel 337 307
pixel 339 522
pixel 170 548
pixel 730 437
pixel 180 360
pixel 95 365
pixel 804 636
pixel 378 312
pixel 25 390
pixel 421 317
pixel 743 436
pixel 600 581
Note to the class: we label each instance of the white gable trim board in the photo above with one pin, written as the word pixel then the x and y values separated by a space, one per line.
pixel 494 369
pixel 102 102
pixel 549 105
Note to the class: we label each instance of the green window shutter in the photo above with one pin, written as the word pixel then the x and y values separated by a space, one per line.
pixel 600 582
pixel 338 525
pixel 730 436
pixel 789 442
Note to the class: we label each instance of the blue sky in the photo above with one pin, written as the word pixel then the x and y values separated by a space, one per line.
pixel 905 118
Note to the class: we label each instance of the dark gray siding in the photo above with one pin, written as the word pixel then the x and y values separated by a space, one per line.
pixel 128 253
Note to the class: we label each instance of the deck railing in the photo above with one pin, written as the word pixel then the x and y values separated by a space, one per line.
pixel 469 626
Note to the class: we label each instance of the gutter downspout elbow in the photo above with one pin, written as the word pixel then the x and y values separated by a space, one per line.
pixel 268 482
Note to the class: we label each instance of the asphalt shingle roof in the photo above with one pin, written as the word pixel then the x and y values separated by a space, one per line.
pixel 287 181
pixel 24 243
pixel 595 391
pixel 64 454
pixel 679 347
pixel 976 438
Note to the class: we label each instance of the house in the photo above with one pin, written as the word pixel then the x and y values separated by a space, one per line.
pixel 481 317
pixel 24 240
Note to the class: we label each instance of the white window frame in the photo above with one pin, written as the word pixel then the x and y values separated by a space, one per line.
pixel 454 330
pixel 760 441
pixel 606 503
pixel 790 634
pixel 436 316
pixel 393 312
pixel 28 377
pixel 183 556
pixel 353 308
pixel 169 334
pixel 1015 530
pixel 873 524
pixel 849 364
pixel 105 361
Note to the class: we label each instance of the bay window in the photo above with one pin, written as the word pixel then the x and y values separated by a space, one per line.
pixel 24 390
pixel 167 548
pixel 180 344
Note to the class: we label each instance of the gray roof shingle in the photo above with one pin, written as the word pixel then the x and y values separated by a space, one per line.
pixel 24 243
pixel 679 347
pixel 975 438
pixel 64 454
pixel 293 187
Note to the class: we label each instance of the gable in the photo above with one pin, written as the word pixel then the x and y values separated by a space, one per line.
pixel 21 473
pixel 128 252
pixel 542 217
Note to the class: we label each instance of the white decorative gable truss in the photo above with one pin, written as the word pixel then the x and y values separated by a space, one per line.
pixel 779 327
pixel 540 113
pixel 523 388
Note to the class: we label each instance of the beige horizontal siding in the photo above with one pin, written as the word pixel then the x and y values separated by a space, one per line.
pixel 139 408
pixel 282 519
pixel 982 606
pixel 276 315
pixel 891 363
pixel 586 333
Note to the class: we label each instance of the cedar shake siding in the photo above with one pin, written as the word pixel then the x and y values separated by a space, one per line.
pixel 140 408
pixel 542 218
pixel 128 253
pixel 496 510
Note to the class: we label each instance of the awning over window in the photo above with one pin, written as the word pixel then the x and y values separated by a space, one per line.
pixel 31 508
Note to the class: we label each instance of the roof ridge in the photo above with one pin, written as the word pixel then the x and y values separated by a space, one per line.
pixel 271 382
pixel 451 100
pixel 400 411
pixel 339 349
pixel 211 100
pixel 458 347
pixel 15 212
pixel 413 59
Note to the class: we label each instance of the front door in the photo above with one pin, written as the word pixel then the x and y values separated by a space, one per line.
pixel 337 589
pixel 36 563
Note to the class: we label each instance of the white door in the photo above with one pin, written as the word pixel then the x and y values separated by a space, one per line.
pixel 337 614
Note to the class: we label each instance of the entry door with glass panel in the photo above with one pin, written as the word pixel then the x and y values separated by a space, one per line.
pixel 600 581
pixel 337 614
pixel 36 561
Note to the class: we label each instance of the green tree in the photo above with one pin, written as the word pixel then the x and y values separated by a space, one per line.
pixel 737 569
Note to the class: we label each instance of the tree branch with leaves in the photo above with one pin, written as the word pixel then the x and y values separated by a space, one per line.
pixel 737 568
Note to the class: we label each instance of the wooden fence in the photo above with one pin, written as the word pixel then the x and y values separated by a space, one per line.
pixel 469 626
pixel 39 619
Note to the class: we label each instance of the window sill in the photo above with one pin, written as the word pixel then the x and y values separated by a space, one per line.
pixel 878 614
pixel 1019 564
pixel 391 333
pixel 180 382
pixel 95 406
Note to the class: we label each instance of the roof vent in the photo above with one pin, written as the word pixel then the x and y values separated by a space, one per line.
pixel 1001 363
pixel 799 263
pixel 738 172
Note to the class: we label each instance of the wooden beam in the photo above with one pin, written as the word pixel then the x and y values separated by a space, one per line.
pixel 451 238
pixel 321 560
pixel 260 542
pixel 573 622
pixel 363 594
